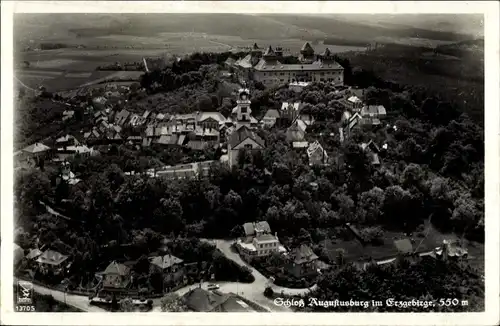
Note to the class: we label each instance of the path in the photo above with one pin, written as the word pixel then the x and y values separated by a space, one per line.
pixel 229 46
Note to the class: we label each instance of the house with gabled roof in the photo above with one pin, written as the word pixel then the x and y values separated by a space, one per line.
pixel 372 150
pixel 122 117
pixel 116 277
pixel 269 119
pixel 200 300
pixel 66 152
pixel 352 103
pixel 317 155
pixel 52 261
pixel 66 140
pixel 34 254
pixel 303 261
pixel 258 241
pixel 166 262
pixel 243 138
pixel 290 110
pixel 296 132
pixel 373 114
pixel 33 154
pixel 251 228
pixel 171 267
pixel 349 122
pixel 36 149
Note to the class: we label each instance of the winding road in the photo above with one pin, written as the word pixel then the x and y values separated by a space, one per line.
pixel 252 291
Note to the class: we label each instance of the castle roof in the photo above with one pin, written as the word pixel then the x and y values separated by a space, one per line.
pixel 307 47
pixel 269 51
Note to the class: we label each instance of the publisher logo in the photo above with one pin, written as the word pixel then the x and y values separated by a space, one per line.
pixel 24 292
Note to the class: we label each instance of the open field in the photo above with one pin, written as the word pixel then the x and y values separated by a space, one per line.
pixel 60 80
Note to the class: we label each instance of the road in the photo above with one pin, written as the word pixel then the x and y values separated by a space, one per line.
pixel 219 43
pixel 252 291
pixel 80 302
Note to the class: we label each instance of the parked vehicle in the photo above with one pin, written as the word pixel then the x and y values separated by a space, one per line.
pixel 213 286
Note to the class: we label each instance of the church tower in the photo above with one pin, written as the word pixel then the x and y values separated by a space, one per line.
pixel 242 110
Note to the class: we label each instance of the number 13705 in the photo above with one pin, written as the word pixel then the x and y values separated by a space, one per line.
pixel 25 308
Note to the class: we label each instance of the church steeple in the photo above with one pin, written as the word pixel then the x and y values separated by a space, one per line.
pixel 242 110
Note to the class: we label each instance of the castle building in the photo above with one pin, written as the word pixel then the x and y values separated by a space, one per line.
pixel 268 69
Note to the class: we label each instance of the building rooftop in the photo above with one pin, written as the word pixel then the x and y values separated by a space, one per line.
pixel 115 268
pixel 373 110
pixel 264 65
pixel 266 238
pixel 242 133
pixel 36 148
pixel 307 47
pixel 250 227
pixel 201 300
pixel 51 257
pixel 165 261
pixel 34 253
pixel 272 113
pixel 403 246
pixel 304 254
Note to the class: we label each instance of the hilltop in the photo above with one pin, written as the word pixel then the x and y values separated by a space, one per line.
pixel 74 27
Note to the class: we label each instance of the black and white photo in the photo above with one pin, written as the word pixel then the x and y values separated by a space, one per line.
pixel 263 162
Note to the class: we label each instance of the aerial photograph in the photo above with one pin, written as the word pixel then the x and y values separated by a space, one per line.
pixel 170 162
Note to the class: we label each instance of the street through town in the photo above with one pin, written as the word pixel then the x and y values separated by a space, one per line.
pixel 251 291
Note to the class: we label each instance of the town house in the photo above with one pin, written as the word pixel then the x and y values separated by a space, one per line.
pixel 258 241
pixel 116 278
pixel 372 150
pixel 243 139
pixel 353 103
pixel 51 261
pixel 373 114
pixel 303 261
pixel 170 266
pixel 317 155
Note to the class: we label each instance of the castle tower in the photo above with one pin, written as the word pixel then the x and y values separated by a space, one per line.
pixel 269 54
pixel 327 56
pixel 278 51
pixel 256 50
pixel 307 53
